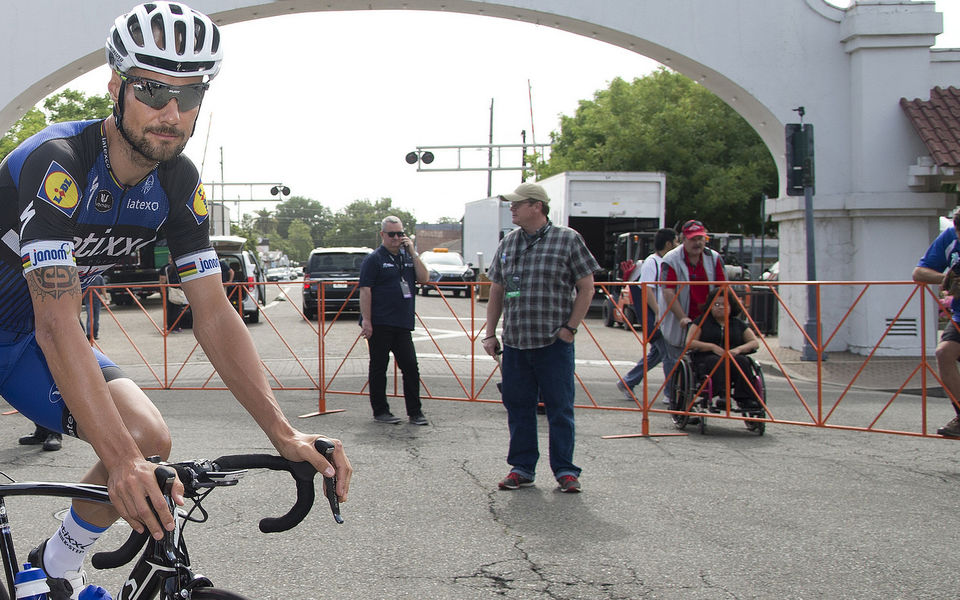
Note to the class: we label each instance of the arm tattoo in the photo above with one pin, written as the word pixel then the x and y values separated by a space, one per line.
pixel 54 282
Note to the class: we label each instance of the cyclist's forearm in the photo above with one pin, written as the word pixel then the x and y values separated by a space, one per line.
pixel 82 387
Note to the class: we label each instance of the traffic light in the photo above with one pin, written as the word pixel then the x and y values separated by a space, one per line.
pixel 799 158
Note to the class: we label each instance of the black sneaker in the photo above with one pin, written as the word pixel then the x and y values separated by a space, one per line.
pixel 61 588
pixel 951 429
pixel 34 439
pixel 387 418
pixel 418 420
pixel 53 442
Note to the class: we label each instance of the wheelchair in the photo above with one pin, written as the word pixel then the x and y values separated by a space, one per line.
pixel 694 393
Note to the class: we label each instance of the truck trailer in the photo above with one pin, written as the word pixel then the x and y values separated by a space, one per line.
pixel 599 205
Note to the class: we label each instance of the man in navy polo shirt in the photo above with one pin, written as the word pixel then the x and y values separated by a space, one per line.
pixel 388 278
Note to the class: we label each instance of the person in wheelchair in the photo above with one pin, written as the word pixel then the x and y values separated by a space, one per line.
pixel 706 341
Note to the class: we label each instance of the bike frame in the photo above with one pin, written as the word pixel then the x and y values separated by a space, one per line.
pixel 163 567
pixel 79 491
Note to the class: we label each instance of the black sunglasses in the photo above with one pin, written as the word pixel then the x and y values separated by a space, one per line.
pixel 156 95
pixel 395 233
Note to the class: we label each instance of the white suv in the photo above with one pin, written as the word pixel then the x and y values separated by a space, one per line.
pixel 246 269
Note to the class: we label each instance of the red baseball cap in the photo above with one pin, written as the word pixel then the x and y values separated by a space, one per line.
pixel 693 228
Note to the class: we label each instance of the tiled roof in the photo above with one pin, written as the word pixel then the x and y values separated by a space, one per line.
pixel 937 120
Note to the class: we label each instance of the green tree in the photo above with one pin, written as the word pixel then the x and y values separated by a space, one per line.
pixel 71 105
pixel 26 126
pixel 265 223
pixel 300 241
pixel 717 166
pixel 358 223
pixel 318 217
pixel 68 105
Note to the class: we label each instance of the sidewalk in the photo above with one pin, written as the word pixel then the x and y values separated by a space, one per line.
pixel 883 373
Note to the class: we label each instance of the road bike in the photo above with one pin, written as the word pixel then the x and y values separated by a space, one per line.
pixel 164 570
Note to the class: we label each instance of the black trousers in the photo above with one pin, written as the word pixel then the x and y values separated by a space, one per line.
pixel 399 341
pixel 704 361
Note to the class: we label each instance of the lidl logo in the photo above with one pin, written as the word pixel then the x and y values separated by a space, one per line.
pixel 59 189
pixel 199 205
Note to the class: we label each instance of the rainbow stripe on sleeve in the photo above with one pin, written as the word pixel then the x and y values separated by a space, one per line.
pixel 187 269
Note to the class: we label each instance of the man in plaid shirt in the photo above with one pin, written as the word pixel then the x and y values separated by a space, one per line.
pixel 533 275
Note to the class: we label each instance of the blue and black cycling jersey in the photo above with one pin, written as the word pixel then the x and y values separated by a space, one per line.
pixel 58 197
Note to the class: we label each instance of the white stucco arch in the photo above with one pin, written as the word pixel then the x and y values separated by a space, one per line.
pixel 848 68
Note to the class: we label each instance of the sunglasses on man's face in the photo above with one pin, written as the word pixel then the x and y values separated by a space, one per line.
pixel 156 95
pixel 395 233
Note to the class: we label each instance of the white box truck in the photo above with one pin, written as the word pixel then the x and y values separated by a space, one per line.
pixel 601 205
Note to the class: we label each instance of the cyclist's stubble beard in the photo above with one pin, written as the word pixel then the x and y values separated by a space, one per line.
pixel 154 152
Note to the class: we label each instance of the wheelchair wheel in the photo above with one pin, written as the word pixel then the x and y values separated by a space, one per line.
pixel 682 392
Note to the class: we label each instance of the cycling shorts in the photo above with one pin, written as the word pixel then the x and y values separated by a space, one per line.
pixel 27 383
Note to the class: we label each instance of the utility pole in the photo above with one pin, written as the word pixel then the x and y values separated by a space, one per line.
pixel 490 155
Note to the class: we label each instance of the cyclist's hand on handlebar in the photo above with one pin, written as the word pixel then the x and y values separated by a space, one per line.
pixel 133 490
pixel 302 449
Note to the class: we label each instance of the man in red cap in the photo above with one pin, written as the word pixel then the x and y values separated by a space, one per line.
pixel 690 261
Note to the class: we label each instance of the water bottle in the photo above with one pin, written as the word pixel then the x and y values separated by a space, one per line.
pixel 94 592
pixel 31 583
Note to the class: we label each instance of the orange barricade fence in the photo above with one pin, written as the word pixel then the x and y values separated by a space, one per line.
pixel 330 356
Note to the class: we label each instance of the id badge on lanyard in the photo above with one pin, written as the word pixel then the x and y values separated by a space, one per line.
pixel 512 287
pixel 405 287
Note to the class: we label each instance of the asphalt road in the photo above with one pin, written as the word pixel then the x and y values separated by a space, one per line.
pixel 797 513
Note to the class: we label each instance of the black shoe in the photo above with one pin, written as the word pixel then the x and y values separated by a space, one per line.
pixel 37 437
pixel 387 418
pixel 418 419
pixel 61 588
pixel 53 442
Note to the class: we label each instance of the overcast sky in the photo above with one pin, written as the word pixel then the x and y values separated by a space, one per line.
pixel 329 103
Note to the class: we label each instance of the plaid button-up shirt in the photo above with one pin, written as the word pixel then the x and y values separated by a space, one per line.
pixel 544 269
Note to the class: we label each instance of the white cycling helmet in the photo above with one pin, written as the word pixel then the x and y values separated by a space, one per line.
pixel 180 41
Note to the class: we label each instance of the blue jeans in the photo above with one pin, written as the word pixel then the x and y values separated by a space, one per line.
pixel 671 356
pixel 542 374
pixel 656 354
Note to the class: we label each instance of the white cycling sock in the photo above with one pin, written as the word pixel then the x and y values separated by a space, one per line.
pixel 66 550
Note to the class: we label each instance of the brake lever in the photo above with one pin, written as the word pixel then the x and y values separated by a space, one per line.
pixel 329 483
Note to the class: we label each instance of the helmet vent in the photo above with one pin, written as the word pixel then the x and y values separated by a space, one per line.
pixel 133 26
pixel 156 24
pixel 180 37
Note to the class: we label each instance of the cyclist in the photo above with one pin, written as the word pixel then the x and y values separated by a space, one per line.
pixel 76 197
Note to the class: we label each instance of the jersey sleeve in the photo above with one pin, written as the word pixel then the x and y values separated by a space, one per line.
pixel 49 192
pixel 187 227
pixel 936 256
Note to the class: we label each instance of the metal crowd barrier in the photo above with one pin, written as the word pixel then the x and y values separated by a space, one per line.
pixel 329 356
